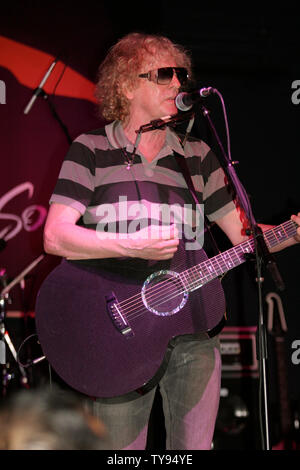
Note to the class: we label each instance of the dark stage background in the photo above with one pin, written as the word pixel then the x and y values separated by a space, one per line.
pixel 250 55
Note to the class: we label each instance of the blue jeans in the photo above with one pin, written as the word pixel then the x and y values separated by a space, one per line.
pixel 190 390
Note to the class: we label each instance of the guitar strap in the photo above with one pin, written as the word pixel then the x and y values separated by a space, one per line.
pixel 185 171
pixel 181 161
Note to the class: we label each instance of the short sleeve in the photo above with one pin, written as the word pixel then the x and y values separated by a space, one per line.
pixel 76 180
pixel 217 193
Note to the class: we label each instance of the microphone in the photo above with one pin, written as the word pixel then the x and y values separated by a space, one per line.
pixel 39 89
pixel 185 101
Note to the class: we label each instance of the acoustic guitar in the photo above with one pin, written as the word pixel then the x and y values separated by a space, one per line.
pixel 107 332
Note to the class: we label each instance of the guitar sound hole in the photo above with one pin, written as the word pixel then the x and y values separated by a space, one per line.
pixel 163 293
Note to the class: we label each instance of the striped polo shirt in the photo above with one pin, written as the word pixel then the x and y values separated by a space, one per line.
pixel 95 180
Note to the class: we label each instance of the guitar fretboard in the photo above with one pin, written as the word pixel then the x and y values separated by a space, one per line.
pixel 195 277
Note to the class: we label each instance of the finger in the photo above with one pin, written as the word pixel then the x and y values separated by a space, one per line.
pixel 296 218
pixel 169 231
pixel 168 244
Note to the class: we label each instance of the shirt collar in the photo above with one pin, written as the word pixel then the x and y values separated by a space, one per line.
pixel 117 138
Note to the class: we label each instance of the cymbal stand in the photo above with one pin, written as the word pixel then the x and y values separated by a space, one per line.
pixel 5 340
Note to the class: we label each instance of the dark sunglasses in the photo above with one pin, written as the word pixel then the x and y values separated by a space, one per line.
pixel 164 75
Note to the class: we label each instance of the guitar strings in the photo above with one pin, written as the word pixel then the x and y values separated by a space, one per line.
pixel 215 265
pixel 176 292
pixel 158 288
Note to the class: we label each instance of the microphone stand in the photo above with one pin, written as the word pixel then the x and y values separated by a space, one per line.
pixel 56 116
pixel 261 253
pixel 40 92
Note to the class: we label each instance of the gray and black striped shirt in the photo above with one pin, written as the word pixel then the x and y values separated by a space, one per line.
pixel 94 180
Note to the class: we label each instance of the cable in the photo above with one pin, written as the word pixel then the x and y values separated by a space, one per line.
pixel 59 79
pixel 226 123
pixel 34 361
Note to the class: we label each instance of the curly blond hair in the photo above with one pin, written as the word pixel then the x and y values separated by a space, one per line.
pixel 122 65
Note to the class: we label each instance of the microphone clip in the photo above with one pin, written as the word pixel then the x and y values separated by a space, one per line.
pixel 165 121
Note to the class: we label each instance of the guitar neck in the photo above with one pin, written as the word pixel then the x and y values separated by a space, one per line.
pixel 198 275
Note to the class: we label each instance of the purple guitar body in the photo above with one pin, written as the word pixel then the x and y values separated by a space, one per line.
pixel 107 333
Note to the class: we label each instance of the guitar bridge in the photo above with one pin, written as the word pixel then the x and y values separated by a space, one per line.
pixel 117 317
